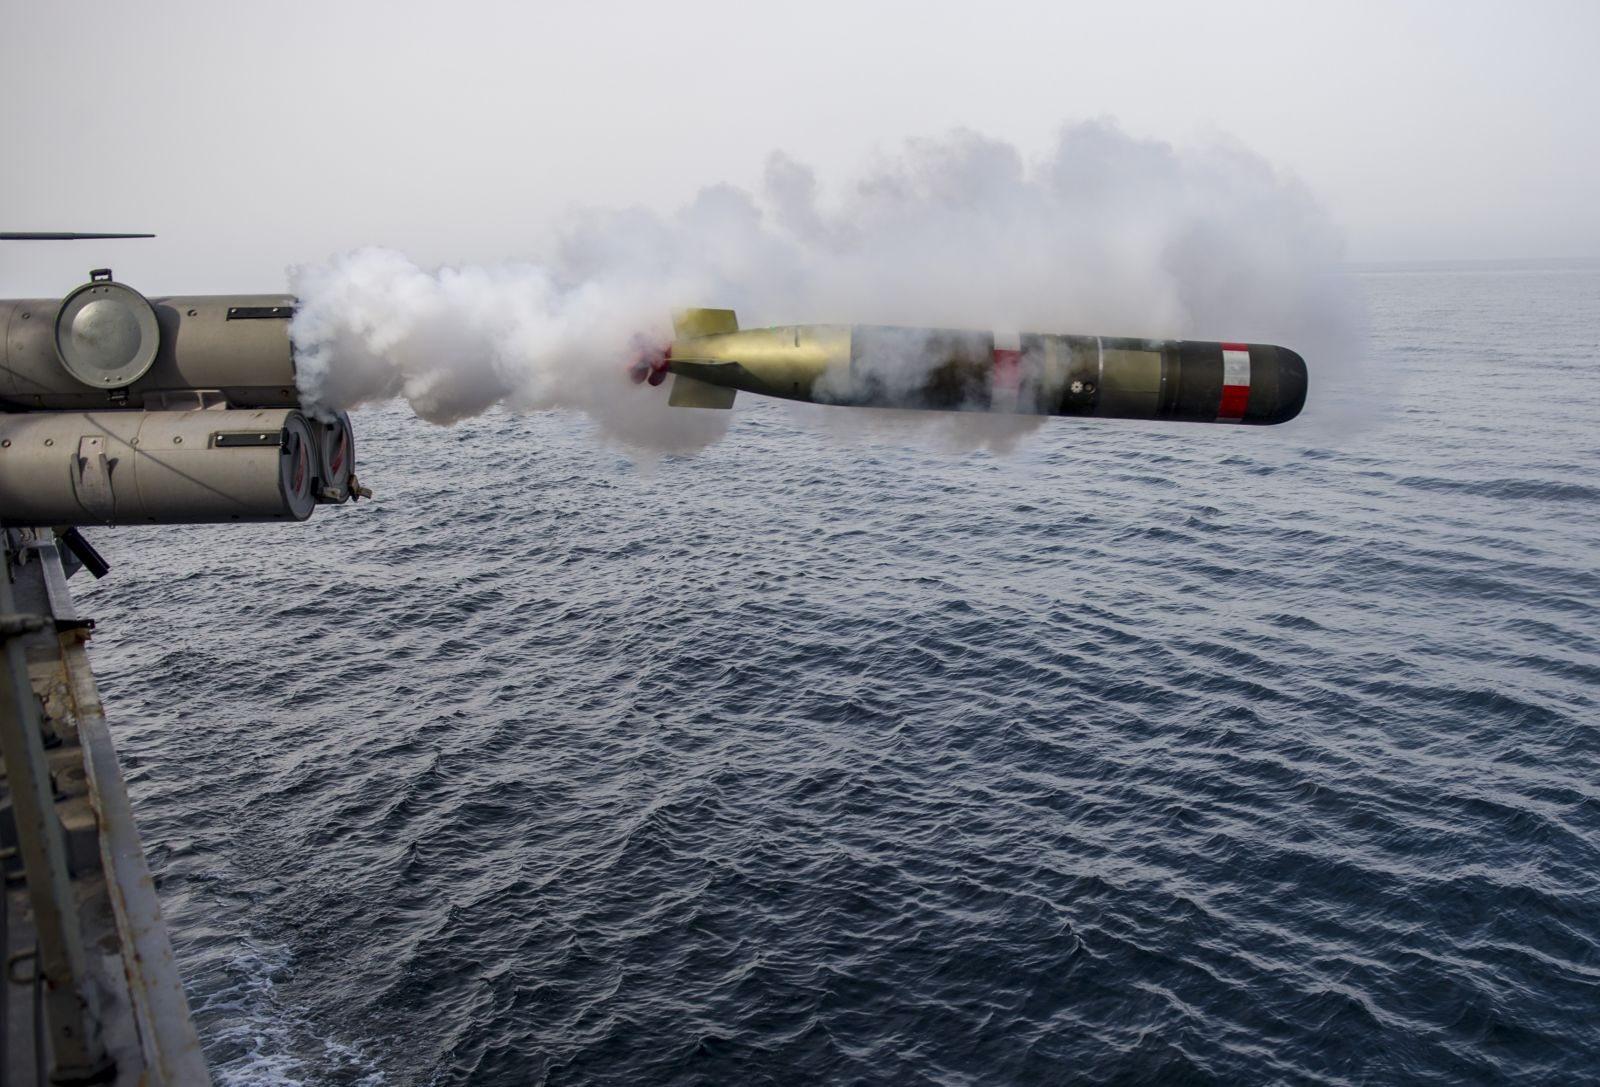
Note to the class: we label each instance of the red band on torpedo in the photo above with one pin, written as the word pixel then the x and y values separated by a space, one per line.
pixel 1235 398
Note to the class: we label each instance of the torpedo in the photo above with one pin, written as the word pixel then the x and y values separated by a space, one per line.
pixel 711 360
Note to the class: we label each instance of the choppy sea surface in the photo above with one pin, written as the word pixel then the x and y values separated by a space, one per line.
pixel 1160 755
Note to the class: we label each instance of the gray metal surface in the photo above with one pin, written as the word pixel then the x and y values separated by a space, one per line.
pixel 123 988
pixel 71 995
pixel 171 1049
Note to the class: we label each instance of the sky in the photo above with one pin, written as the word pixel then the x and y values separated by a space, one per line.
pixel 254 138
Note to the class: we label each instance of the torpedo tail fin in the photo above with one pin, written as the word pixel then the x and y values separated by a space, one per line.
pixel 703 322
pixel 688 392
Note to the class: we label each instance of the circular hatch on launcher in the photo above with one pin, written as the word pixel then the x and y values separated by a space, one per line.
pixel 106 333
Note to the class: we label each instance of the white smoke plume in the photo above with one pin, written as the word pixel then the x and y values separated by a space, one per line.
pixel 1107 235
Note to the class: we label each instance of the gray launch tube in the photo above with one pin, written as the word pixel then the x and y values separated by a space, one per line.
pixel 156 467
pixel 237 345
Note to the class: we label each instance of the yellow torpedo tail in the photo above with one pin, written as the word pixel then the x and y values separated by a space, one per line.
pixel 703 322
pixel 687 392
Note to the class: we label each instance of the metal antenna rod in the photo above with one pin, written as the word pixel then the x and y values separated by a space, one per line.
pixel 53 236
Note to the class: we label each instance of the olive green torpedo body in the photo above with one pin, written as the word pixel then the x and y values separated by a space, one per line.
pixel 878 366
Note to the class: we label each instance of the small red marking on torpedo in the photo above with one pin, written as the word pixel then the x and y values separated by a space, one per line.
pixel 1007 368
pixel 1235 347
pixel 1235 398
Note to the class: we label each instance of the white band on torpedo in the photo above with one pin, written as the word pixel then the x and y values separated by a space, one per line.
pixel 1235 383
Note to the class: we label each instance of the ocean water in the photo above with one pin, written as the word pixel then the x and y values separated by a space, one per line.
pixel 1139 754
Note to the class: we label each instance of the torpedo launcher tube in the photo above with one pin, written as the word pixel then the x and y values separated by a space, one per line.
pixel 118 409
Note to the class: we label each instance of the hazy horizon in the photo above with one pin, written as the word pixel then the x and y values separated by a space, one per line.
pixel 474 134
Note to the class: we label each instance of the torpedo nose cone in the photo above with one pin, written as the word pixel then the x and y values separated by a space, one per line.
pixel 1291 392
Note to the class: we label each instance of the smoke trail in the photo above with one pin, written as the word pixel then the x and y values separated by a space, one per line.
pixel 1107 234
pixel 370 325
